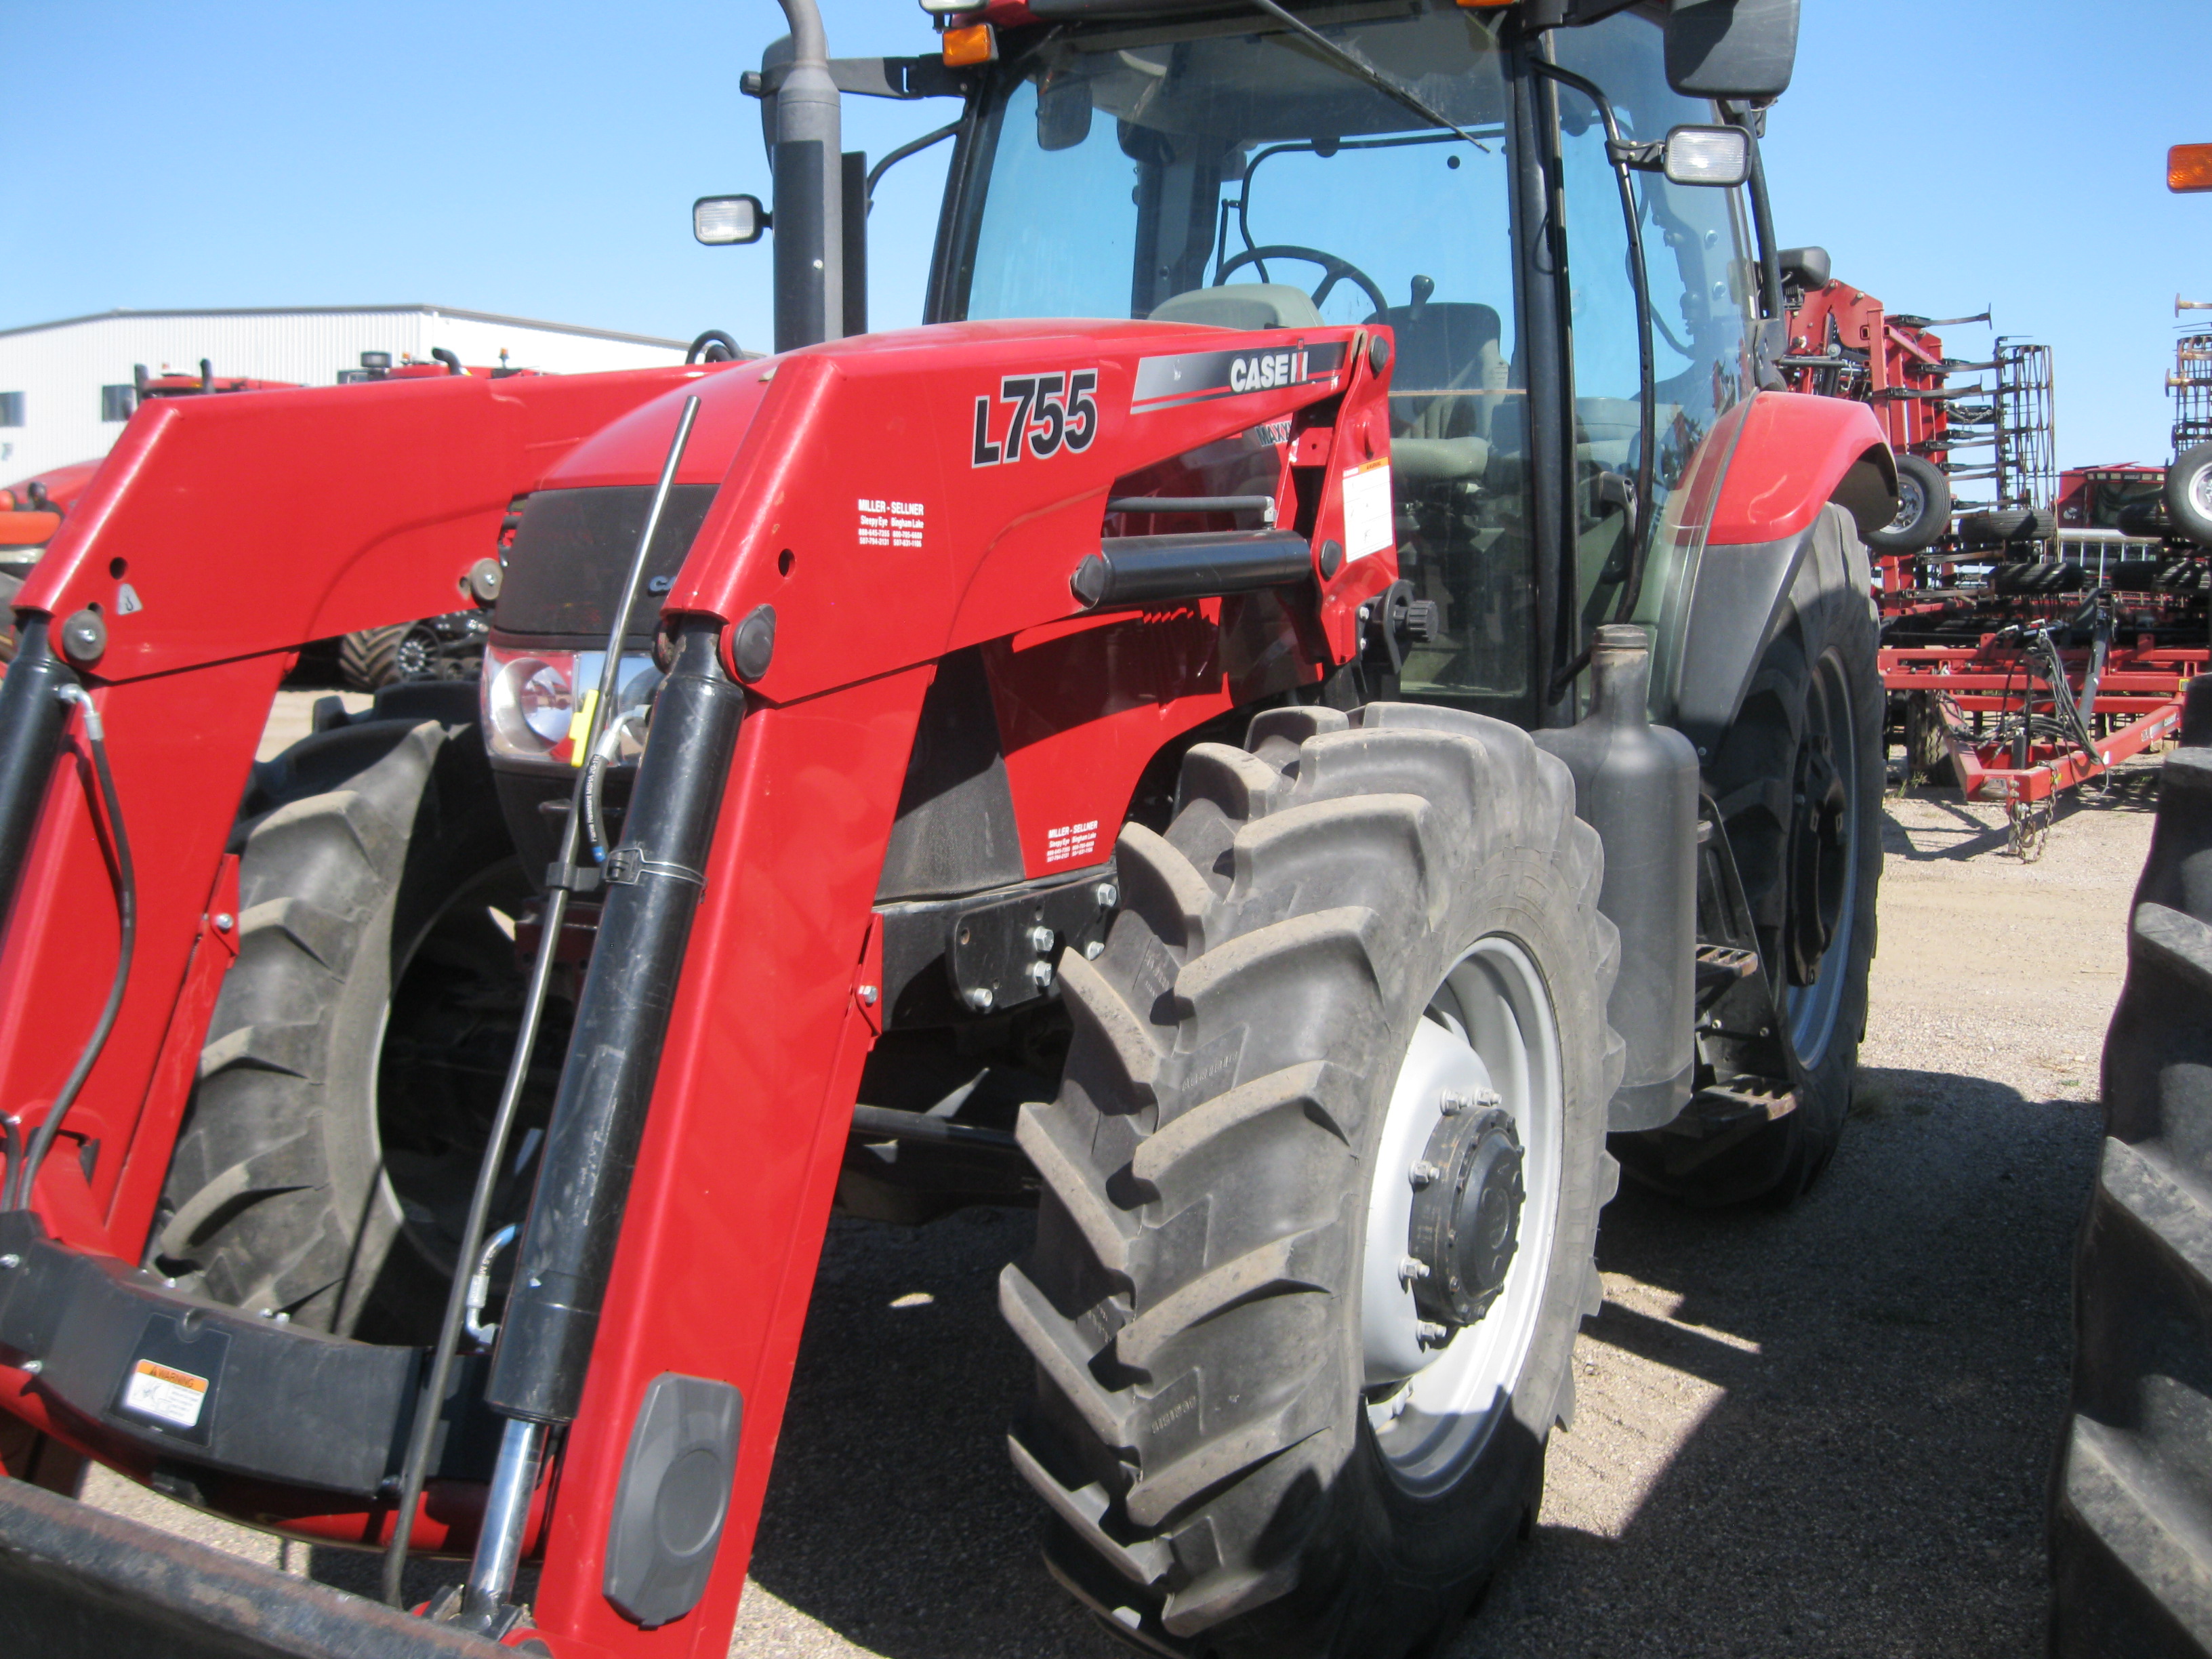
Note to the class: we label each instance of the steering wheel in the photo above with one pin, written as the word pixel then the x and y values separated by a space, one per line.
pixel 1337 270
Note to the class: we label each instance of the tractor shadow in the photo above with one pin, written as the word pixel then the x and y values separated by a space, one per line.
pixel 1826 1431
pixel 894 1515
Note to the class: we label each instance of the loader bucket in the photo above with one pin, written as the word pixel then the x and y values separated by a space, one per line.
pixel 77 1582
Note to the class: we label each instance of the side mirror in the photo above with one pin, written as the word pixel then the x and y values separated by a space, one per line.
pixel 1063 111
pixel 1706 155
pixel 719 221
pixel 1737 49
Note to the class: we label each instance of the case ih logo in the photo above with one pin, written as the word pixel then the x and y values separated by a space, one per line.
pixel 1051 412
pixel 1197 377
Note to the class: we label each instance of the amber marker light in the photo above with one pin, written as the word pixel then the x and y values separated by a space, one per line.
pixel 978 43
pixel 2188 167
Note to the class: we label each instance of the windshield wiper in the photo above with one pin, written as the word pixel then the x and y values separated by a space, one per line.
pixel 1347 59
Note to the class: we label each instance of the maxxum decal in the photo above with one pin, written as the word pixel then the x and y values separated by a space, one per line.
pixel 1196 377
pixel 1052 412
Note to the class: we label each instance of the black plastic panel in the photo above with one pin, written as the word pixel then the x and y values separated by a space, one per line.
pixel 213 1386
pixel 674 1498
pixel 572 550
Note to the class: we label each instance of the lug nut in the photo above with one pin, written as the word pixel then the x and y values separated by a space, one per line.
pixel 1423 1173
pixel 1041 975
pixel 1429 1332
pixel 979 999
pixel 1455 1102
pixel 1041 940
pixel 1410 1268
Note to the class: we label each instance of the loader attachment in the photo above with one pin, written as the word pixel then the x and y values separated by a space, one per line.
pixel 79 1583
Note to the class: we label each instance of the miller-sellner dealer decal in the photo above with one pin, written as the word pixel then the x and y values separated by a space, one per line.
pixel 1197 377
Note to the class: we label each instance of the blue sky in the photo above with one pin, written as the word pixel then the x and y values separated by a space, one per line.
pixel 540 158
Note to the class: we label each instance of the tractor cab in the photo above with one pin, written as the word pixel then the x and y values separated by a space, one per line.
pixel 1561 347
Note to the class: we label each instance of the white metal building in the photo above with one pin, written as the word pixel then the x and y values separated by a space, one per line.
pixel 64 387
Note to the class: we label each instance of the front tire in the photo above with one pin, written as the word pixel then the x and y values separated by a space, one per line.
pixel 359 1038
pixel 1799 778
pixel 1333 928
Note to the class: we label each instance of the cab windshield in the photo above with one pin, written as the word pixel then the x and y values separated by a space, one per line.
pixel 1124 174
pixel 1228 171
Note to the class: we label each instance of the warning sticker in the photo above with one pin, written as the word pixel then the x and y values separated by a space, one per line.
pixel 1367 510
pixel 165 1393
pixel 889 524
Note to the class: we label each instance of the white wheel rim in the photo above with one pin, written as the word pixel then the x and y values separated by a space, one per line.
pixel 1911 502
pixel 1489 1025
pixel 2200 490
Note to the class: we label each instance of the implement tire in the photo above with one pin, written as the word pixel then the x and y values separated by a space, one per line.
pixel 1798 779
pixel 1228 1476
pixel 1924 508
pixel 2189 494
pixel 2131 1496
pixel 359 1037
pixel 368 659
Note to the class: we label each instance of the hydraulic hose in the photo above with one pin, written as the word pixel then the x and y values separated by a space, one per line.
pixel 416 1469
pixel 23 1172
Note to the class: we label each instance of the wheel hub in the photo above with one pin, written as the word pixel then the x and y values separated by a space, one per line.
pixel 1912 503
pixel 1819 859
pixel 1466 1215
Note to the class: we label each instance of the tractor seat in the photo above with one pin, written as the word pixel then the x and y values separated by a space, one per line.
pixel 1445 350
pixel 1246 305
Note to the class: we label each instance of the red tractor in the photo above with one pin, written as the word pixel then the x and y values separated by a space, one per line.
pixel 449 646
pixel 1300 781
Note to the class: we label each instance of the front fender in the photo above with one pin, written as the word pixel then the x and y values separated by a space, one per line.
pixel 1795 458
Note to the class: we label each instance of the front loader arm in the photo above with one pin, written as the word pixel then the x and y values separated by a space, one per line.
pixel 864 506
pixel 222 534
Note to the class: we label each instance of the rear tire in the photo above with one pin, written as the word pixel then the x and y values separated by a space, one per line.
pixel 1924 508
pixel 1810 858
pixel 368 659
pixel 2131 1495
pixel 2189 494
pixel 342 1089
pixel 1199 1297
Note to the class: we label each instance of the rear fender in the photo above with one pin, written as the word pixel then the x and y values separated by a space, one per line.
pixel 1792 457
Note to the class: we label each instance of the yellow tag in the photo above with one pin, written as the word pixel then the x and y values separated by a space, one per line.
pixel 579 727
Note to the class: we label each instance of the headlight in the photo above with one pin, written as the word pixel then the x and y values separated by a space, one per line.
pixel 537 704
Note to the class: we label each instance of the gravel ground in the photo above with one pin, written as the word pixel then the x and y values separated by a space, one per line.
pixel 1825 1431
